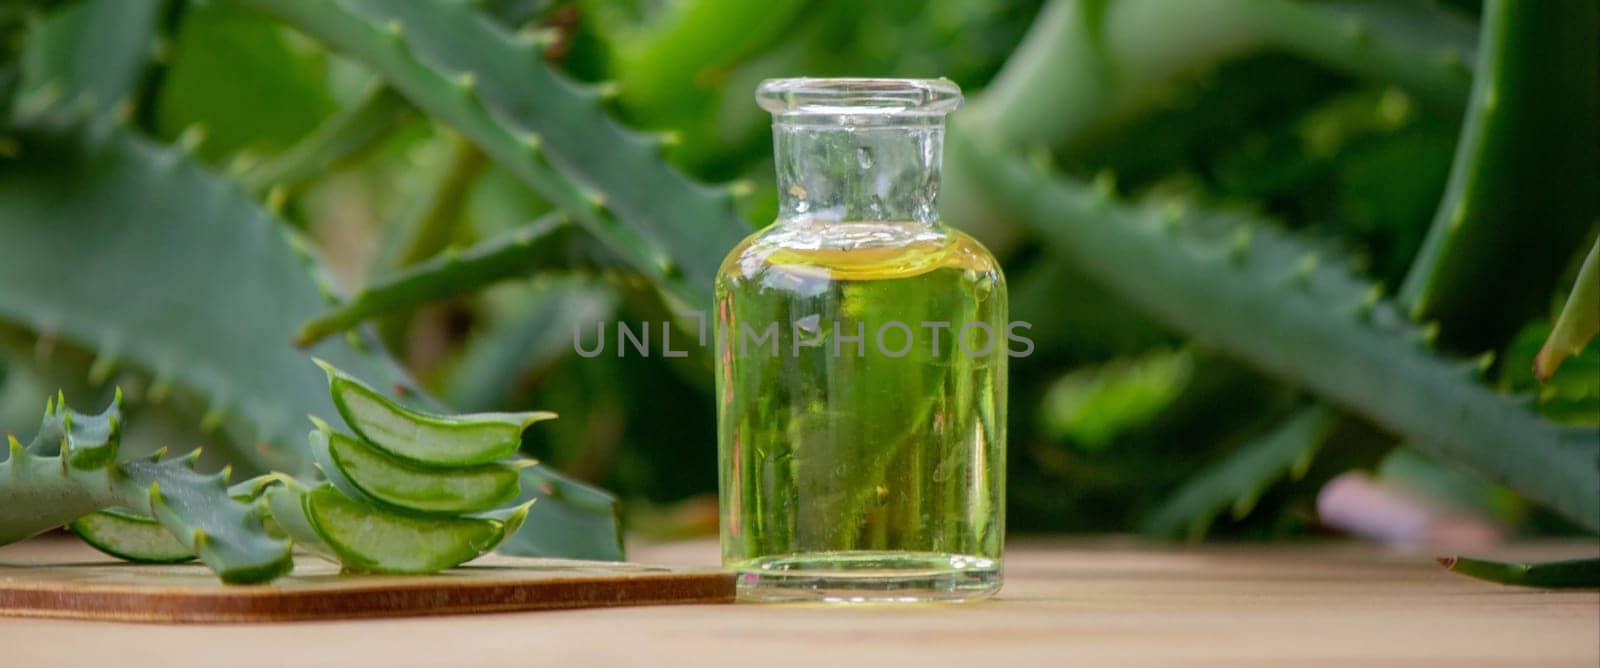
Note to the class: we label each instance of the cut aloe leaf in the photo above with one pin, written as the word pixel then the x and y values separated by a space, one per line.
pixel 368 539
pixel 364 472
pixel 127 535
pixel 287 504
pixel 422 438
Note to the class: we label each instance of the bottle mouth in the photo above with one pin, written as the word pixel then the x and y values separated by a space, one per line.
pixel 863 100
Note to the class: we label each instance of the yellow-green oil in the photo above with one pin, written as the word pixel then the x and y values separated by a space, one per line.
pixel 862 468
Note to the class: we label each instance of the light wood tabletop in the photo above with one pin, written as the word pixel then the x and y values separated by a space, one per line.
pixel 1085 602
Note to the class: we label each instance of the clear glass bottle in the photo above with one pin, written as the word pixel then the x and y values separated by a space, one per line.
pixel 861 366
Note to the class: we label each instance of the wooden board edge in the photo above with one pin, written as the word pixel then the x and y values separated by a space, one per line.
pixel 165 607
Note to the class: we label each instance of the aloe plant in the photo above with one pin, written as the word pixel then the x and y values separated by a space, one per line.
pixel 104 191
pixel 559 140
pixel 1230 278
pixel 1524 174
pixel 204 324
pixel 72 469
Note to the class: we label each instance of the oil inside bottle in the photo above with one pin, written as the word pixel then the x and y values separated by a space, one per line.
pixel 862 395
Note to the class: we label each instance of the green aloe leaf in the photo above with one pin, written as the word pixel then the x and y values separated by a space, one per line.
pixel 130 536
pixel 367 539
pixel 59 72
pixel 1522 186
pixel 71 469
pixel 514 254
pixel 1268 299
pixel 83 207
pixel 1553 574
pixel 1239 478
pixel 364 472
pixel 495 88
pixel 423 438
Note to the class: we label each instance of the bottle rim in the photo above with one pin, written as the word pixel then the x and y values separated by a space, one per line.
pixel 848 96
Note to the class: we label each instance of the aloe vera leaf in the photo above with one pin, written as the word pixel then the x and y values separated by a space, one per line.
pixel 59 71
pixel 1264 297
pixel 286 503
pixel 1550 574
pixel 83 208
pixel 563 522
pixel 1087 65
pixel 41 491
pixel 365 472
pixel 460 67
pixel 131 537
pixel 423 438
pixel 344 135
pixel 1522 186
pixel 1238 479
pixel 515 253
pixel 371 540
pixel 1579 320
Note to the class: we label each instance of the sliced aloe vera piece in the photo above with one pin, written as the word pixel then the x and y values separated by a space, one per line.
pixel 287 504
pixel 369 539
pixel 364 472
pixel 127 535
pixel 422 438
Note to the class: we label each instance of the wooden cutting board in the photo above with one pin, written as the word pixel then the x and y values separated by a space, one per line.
pixel 56 577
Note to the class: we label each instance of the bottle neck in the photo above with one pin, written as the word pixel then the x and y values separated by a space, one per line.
pixel 830 172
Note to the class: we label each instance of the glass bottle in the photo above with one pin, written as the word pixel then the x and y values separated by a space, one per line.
pixel 861 362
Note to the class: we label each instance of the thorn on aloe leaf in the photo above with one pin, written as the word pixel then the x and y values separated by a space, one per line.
pixel 1172 216
pixel 1430 334
pixel 467 83
pixel 607 91
pixel 102 368
pixel 537 37
pixel 213 418
pixel 277 198
pixel 192 137
pixel 1482 363
pixel 158 455
pixel 1240 248
pixel 741 188
pixel 395 30
pixel 1304 268
pixel 531 142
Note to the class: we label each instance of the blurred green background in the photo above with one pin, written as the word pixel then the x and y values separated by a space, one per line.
pixel 1328 134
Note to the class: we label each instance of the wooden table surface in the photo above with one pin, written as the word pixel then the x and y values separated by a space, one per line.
pixel 1065 603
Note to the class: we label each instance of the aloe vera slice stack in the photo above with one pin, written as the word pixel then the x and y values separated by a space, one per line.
pixel 410 492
